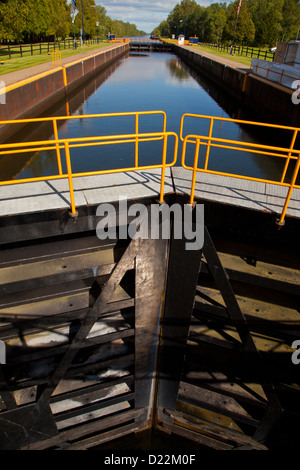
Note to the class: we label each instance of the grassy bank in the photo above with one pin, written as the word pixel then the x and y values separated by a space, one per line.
pixel 236 58
pixel 15 64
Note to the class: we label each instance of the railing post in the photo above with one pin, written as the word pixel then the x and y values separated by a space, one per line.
pixel 136 157
pixel 195 171
pixel 73 213
pixel 208 143
pixel 163 170
pixel 65 76
pixel 57 147
pixel 281 75
pixel 289 155
pixel 289 194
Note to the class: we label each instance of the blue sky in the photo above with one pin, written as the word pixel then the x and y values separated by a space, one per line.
pixel 145 14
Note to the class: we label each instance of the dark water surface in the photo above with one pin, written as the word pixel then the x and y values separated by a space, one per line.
pixel 144 82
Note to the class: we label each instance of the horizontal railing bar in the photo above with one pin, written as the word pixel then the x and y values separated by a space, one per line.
pixel 85 116
pixel 28 150
pixel 33 180
pixel 148 136
pixel 120 170
pixel 87 173
pixel 238 121
pixel 260 152
pixel 61 147
pixel 248 144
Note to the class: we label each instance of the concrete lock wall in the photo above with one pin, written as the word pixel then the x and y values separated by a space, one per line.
pixel 31 97
pixel 270 101
pixel 223 75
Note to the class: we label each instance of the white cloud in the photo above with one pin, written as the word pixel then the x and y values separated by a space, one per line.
pixel 144 14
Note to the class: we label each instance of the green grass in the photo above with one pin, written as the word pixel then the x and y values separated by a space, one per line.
pixel 19 63
pixel 236 58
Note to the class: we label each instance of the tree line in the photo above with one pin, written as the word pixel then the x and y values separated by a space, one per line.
pixel 261 23
pixel 29 21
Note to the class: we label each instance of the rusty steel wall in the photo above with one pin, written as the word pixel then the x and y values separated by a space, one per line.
pixel 80 320
pixel 107 338
pixel 32 99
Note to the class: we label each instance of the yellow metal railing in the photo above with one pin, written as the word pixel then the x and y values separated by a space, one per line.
pixel 209 141
pixel 56 57
pixel 66 145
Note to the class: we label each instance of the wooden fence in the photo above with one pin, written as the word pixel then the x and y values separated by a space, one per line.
pixel 20 50
pixel 252 52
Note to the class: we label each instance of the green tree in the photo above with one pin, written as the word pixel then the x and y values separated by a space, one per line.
pixel 37 20
pixel 290 20
pixel 213 22
pixel 60 21
pixel 260 23
pixel 244 29
pixel 88 24
pixel 267 16
pixel 102 19
pixel 33 20
pixel 162 30
pixel 13 16
pixel 184 18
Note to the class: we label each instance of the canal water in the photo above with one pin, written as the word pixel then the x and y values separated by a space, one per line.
pixel 144 82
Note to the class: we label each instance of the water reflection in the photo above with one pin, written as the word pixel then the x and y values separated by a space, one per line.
pixel 177 71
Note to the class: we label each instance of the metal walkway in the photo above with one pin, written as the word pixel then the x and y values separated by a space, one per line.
pixel 51 195
pixel 263 197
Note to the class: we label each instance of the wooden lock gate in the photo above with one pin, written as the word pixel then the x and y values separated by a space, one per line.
pixel 108 338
